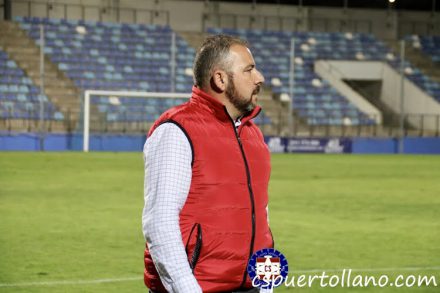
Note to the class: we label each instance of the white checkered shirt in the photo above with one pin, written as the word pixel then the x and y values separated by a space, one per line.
pixel 168 171
pixel 167 157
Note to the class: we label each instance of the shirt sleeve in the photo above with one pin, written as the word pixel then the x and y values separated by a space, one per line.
pixel 168 171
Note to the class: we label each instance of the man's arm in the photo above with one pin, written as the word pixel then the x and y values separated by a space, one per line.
pixel 167 157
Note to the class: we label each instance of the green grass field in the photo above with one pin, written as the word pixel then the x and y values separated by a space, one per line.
pixel 70 218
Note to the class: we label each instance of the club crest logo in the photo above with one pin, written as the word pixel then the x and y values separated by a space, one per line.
pixel 267 268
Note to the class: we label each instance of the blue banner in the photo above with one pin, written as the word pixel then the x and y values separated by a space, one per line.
pixel 10 141
pixel 278 144
pixel 318 145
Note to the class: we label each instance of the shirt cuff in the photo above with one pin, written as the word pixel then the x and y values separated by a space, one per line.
pixel 187 284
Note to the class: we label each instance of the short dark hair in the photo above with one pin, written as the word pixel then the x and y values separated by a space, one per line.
pixel 213 53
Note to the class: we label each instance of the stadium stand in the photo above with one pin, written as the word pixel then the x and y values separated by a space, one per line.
pixel 430 45
pixel 136 57
pixel 19 97
pixel 425 51
pixel 314 99
pixel 113 56
pixel 109 56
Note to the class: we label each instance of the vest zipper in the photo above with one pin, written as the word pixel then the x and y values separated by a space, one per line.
pixel 251 195
pixel 198 247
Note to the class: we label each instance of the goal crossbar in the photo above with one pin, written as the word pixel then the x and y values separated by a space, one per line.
pixel 122 94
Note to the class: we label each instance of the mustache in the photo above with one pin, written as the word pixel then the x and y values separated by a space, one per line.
pixel 256 90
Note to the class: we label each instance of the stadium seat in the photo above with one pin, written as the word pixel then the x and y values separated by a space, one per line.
pixel 17 92
pixel 271 51
pixel 113 56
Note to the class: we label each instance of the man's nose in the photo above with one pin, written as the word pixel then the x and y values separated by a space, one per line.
pixel 259 79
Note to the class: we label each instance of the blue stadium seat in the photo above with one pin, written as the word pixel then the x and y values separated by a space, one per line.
pixel 114 56
pixel 271 52
pixel 17 92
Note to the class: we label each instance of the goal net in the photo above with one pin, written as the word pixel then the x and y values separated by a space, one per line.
pixel 124 111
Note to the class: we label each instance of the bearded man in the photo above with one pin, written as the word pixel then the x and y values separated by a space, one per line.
pixel 207 171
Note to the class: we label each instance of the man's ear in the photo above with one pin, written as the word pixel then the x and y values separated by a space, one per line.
pixel 219 81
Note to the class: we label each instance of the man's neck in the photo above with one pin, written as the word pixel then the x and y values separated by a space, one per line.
pixel 232 111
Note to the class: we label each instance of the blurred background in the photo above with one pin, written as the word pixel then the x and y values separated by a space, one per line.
pixel 364 72
pixel 342 76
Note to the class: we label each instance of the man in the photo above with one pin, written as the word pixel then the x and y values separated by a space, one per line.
pixel 207 170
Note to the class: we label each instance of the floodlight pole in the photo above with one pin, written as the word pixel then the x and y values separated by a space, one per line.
pixel 402 97
pixel 41 101
pixel 291 84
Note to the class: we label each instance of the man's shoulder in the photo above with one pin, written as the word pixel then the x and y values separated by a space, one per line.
pixel 176 115
pixel 187 108
pixel 252 125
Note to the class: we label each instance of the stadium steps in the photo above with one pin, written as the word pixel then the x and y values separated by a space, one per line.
pixel 370 90
pixel 417 58
pixel 60 90
pixel 33 125
pixel 276 111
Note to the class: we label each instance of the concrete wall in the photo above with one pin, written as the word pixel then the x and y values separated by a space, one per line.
pixel 380 22
pixel 131 11
pixel 187 15
pixel 2 11
pixel 261 16
pixel 335 71
pixel 365 70
pixel 421 23
pixel 416 101
pixel 134 143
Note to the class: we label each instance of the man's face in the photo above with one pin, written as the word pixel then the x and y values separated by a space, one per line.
pixel 244 79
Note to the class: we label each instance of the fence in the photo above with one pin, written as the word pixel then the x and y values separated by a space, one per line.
pixel 126 125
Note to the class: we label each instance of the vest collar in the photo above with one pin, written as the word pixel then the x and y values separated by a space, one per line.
pixel 217 108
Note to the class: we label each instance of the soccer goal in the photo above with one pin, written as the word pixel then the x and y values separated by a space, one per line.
pixel 123 107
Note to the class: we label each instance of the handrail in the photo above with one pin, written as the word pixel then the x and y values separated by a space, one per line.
pixel 362 129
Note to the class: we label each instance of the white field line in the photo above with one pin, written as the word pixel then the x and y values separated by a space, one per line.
pixel 365 270
pixel 128 279
pixel 71 282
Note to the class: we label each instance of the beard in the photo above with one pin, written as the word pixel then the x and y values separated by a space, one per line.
pixel 240 102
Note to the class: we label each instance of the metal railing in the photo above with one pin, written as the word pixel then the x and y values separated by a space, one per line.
pixel 415 125
pixel 12 121
pixel 421 125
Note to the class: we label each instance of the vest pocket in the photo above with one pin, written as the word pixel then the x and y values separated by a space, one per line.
pixel 194 256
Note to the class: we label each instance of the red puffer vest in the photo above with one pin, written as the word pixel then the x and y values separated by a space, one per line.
pixel 224 219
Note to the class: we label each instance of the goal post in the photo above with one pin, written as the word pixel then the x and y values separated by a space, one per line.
pixel 88 94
